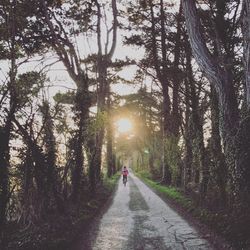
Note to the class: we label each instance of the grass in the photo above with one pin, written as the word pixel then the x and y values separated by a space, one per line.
pixel 180 199
pixel 111 182
pixel 220 222
pixel 170 192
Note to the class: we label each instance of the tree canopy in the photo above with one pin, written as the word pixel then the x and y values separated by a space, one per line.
pixel 188 114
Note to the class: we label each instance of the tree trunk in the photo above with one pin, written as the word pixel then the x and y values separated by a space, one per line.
pixel 176 77
pixel 4 176
pixel 197 124
pixel 40 169
pixel 246 36
pixel 171 117
pixel 242 156
pixel 198 143
pixel 102 93
pixel 103 63
pixel 221 79
pixel 82 105
pixel 5 130
pixel 91 150
pixel 219 170
pixel 188 155
pixel 110 161
pixel 166 172
pixel 50 154
pixel 68 55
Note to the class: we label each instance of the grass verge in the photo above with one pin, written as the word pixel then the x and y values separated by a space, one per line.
pixel 110 183
pixel 217 224
pixel 170 192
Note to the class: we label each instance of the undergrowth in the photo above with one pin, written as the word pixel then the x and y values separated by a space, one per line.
pixel 59 231
pixel 110 183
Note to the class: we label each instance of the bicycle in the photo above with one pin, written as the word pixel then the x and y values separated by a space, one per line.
pixel 124 180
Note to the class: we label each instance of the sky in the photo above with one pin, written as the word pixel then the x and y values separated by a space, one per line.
pixel 87 45
pixel 59 78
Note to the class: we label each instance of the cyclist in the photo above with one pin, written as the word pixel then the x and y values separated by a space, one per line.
pixel 124 175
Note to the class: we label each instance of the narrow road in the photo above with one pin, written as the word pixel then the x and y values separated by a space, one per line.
pixel 139 219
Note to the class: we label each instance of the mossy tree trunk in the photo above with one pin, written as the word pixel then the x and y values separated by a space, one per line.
pixel 69 56
pixel 6 128
pixel 53 183
pixel 82 105
pixel 104 60
pixel 234 133
pixel 196 121
pixel 170 111
pixel 242 141
pixel 219 169
pixel 110 154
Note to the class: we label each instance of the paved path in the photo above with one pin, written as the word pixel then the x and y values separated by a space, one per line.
pixel 139 219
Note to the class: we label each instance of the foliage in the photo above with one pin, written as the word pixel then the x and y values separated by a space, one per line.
pixel 173 154
pixel 170 192
pixel 62 231
pixel 65 98
pixel 185 133
pixel 97 123
pixel 111 182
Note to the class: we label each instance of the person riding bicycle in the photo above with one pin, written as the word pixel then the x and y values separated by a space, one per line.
pixel 124 174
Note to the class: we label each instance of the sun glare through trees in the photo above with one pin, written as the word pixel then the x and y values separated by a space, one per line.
pixel 124 125
pixel 89 86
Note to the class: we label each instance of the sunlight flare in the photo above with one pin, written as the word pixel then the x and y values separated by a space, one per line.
pixel 124 125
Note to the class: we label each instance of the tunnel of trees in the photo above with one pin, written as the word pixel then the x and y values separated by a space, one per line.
pixel 189 106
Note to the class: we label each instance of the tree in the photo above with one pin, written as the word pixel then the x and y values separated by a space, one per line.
pixel 220 76
pixel 246 34
pixel 9 50
pixel 142 144
pixel 194 129
pixel 104 57
pixel 63 45
pixel 158 42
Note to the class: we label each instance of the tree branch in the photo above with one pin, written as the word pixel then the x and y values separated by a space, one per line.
pixel 115 26
pixel 201 53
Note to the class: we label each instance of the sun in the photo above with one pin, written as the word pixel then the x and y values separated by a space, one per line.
pixel 124 125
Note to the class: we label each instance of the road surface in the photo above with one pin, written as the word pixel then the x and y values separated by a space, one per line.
pixel 139 219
